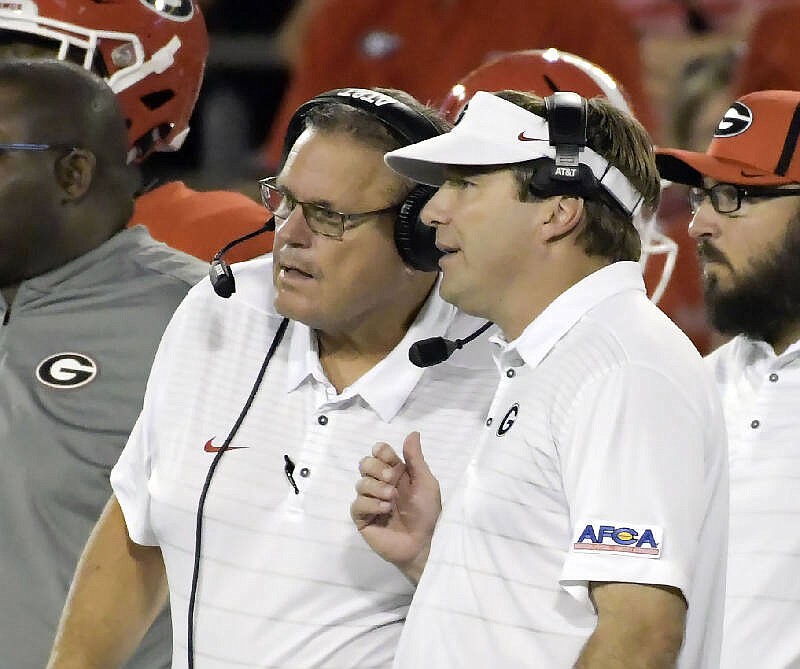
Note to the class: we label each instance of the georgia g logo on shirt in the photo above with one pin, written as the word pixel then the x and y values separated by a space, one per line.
pixel 508 420
pixel 66 370
pixel 623 538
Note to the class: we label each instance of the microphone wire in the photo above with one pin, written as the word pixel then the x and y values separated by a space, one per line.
pixel 201 504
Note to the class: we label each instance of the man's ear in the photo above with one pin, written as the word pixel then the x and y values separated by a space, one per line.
pixel 75 172
pixel 567 215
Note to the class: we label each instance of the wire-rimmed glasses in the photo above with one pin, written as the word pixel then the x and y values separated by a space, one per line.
pixel 321 220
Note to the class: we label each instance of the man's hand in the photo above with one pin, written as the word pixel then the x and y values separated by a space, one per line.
pixel 397 505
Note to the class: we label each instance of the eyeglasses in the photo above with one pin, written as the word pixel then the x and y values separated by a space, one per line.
pixel 25 146
pixel 728 198
pixel 321 220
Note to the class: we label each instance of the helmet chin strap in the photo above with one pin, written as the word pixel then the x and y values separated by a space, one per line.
pixel 162 60
pixel 655 243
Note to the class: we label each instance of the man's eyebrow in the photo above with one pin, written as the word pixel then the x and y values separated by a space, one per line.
pixel 456 172
pixel 324 204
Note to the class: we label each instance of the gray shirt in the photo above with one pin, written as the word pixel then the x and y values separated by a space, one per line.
pixel 75 351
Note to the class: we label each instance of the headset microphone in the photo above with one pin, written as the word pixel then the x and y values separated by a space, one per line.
pixel 434 350
pixel 219 272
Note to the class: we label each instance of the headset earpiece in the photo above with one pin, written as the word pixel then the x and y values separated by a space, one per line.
pixel 549 180
pixel 414 239
pixel 566 120
pixel 566 115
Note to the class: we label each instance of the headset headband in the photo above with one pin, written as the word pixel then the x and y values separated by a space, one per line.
pixel 405 124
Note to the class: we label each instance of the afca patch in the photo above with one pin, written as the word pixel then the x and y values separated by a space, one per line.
pixel 66 370
pixel 635 540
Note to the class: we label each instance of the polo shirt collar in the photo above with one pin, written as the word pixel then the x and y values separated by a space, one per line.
pixel 76 270
pixel 539 337
pixel 387 386
pixel 750 351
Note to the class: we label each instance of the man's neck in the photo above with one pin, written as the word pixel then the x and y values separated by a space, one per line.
pixel 533 297
pixel 350 350
pixel 9 293
pixel 346 359
pixel 789 336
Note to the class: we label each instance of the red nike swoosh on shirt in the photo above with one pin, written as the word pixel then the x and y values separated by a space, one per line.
pixel 210 448
pixel 522 138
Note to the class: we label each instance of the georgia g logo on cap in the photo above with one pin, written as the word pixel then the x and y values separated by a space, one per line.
pixel 736 120
pixel 177 10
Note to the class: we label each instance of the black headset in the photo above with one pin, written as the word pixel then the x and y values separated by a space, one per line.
pixel 567 120
pixel 414 240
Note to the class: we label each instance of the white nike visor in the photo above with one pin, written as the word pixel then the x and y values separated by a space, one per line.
pixel 494 131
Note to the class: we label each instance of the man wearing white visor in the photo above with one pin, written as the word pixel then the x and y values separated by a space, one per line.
pixel 589 529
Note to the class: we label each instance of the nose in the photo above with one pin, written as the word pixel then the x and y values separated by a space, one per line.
pixel 435 211
pixel 293 229
pixel 705 222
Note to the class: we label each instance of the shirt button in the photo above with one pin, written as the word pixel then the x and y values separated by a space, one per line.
pixel 488 422
pixel 510 373
pixel 755 424
pixel 322 420
pixel 773 377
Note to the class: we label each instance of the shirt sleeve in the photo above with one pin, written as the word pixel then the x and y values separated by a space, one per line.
pixel 130 482
pixel 633 468
pixel 131 475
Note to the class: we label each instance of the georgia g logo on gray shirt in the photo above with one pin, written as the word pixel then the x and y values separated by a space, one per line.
pixel 66 370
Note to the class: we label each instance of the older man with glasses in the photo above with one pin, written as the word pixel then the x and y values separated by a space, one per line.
pixel 745 195
pixel 242 466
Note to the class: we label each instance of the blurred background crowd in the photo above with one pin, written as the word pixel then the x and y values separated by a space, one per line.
pixel 680 64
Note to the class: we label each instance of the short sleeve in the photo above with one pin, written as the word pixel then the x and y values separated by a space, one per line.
pixel 633 459
pixel 131 475
pixel 130 482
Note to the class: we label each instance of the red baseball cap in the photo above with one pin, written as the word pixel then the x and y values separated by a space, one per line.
pixel 755 144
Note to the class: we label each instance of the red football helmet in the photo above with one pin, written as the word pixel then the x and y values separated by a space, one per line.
pixel 543 72
pixel 538 71
pixel 152 54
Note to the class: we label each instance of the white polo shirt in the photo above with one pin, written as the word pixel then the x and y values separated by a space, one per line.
pixel 285 580
pixel 603 460
pixel 761 399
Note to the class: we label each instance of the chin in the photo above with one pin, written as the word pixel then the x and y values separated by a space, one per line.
pixel 448 293
pixel 289 306
pixel 460 299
